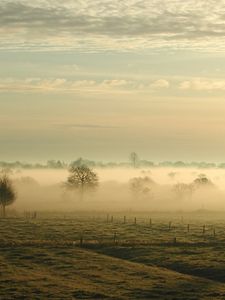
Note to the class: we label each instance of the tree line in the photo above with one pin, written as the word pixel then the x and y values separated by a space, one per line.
pixel 133 161
pixel 83 179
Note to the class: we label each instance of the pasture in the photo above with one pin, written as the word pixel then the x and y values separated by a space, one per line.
pixel 90 255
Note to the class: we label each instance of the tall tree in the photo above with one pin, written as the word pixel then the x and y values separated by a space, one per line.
pixel 82 179
pixel 7 193
pixel 134 159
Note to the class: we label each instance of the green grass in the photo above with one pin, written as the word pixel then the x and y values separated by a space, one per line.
pixel 39 260
pixel 53 273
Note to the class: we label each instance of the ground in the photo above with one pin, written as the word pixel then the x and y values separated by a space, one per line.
pixel 86 256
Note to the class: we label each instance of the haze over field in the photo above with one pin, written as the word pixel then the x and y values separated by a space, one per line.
pixel 123 175
pixel 45 190
pixel 102 79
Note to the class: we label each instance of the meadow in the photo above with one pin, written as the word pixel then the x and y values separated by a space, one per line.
pixel 103 255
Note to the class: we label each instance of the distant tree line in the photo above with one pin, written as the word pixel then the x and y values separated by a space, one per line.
pixel 133 161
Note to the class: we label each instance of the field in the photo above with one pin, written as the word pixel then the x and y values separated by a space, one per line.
pixel 113 256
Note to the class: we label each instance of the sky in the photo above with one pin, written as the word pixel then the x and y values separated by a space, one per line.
pixel 100 79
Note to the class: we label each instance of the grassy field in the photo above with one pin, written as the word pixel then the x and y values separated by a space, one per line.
pixel 92 256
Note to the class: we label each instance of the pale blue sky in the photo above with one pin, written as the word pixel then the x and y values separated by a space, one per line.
pixel 100 79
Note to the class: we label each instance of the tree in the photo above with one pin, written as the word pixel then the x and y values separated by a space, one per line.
pixel 82 162
pixel 134 159
pixel 172 175
pixel 183 190
pixel 6 171
pixel 82 179
pixel 7 193
pixel 141 186
pixel 53 164
pixel 202 182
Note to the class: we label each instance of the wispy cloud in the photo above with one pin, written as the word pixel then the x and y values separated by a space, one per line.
pixel 87 126
pixel 112 25
pixel 62 85
pixel 110 86
pixel 78 86
pixel 161 83
pixel 203 84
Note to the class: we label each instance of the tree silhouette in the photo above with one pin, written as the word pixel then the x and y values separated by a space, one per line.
pixel 183 190
pixel 7 193
pixel 141 186
pixel 82 179
pixel 202 181
pixel 134 159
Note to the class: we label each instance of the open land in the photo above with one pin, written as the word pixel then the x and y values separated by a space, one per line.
pixel 113 256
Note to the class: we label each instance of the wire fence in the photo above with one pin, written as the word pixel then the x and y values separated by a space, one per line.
pixel 107 230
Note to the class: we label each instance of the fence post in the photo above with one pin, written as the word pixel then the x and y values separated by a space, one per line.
pixel 81 240
pixel 111 219
pixel 150 222
pixel 114 238
pixel 135 221
pixel 203 229
pixel 214 232
pixel 188 227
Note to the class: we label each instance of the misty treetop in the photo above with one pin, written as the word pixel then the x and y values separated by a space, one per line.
pixel 82 179
pixel 202 181
pixel 186 190
pixel 141 186
pixel 183 190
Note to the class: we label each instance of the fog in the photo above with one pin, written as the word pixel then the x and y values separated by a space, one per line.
pixel 45 190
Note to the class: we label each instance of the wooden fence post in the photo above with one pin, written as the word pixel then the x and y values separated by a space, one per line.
pixel 81 240
pixel 203 229
pixel 114 238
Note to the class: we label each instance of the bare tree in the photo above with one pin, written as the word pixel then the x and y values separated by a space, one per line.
pixel 183 190
pixel 7 193
pixel 141 187
pixel 82 178
pixel 134 159
pixel 6 171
